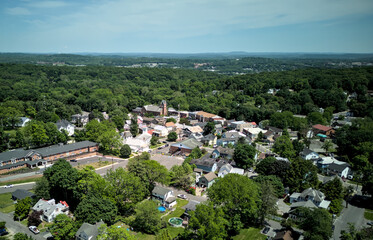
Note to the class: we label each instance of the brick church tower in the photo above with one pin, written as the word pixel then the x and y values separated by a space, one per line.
pixel 163 107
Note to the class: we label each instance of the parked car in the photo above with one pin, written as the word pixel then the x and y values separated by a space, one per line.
pixel 370 223
pixel 34 229
pixel 8 186
pixel 265 230
pixel 3 232
pixel 182 196
pixel 73 160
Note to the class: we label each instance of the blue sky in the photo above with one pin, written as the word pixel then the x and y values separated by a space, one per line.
pixel 186 26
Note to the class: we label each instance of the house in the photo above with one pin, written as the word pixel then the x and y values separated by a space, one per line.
pixel 230 137
pixel 21 194
pixel 191 206
pixel 19 158
pixel 22 121
pixel 51 209
pixel 160 131
pixel 185 146
pixel 227 168
pixel 284 235
pixel 330 166
pixel 315 196
pixel 207 180
pixel 307 154
pixel 80 119
pixel 220 152
pixel 342 170
pixel 170 126
pixel 240 125
pixel 153 110
pixel 65 125
pixel 136 144
pixel 253 132
pixel 205 117
pixel 164 195
pixel 88 231
pixel 207 165
pixel 209 140
pixel 321 129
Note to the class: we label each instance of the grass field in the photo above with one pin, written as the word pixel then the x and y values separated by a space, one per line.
pixel 250 234
pixel 94 165
pixel 23 180
pixel 368 214
pixel 6 203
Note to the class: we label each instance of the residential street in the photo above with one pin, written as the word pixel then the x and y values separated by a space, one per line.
pixel 25 186
pixel 16 227
pixel 351 214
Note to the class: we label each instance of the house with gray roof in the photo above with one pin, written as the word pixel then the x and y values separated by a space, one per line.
pixel 65 125
pixel 21 194
pixel 18 158
pixel 206 164
pixel 315 196
pixel 185 146
pixel 164 195
pixel 51 209
pixel 88 231
pixel 221 152
pixel 227 168
pixel 191 206
pixel 207 180
pixel 308 154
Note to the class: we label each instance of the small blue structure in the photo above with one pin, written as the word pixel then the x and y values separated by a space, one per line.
pixel 161 209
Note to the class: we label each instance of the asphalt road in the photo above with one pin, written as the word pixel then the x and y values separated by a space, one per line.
pixel 351 214
pixel 16 227
pixel 25 186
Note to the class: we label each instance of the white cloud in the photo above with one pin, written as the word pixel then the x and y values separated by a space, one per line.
pixel 17 11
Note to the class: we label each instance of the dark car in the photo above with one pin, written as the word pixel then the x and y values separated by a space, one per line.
pixel 265 230
pixel 73 160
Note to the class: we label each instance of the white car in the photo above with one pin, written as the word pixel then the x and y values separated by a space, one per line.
pixel 182 196
pixel 8 186
pixel 34 229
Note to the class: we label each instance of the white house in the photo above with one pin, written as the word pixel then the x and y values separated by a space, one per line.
pixel 307 154
pixel 164 195
pixel 227 168
pixel 65 125
pixel 160 131
pixel 315 196
pixel 51 209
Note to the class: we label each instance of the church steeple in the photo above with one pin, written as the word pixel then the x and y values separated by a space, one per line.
pixel 163 107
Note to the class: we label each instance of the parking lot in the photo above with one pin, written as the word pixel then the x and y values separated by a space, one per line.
pixel 167 161
pixel 93 159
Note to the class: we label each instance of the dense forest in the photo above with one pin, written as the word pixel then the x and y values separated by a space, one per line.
pixel 60 91
pixel 235 63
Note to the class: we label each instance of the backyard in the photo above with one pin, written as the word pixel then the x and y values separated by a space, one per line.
pixel 6 203
pixel 250 234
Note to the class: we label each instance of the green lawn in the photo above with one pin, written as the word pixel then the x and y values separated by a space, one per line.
pixel 24 180
pixel 6 203
pixel 250 234
pixel 368 214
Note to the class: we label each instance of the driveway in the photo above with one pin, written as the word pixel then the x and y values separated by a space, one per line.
pixel 352 214
pixel 25 186
pixel 16 227
pixel 190 196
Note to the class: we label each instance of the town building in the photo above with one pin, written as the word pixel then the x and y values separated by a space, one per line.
pixel 20 158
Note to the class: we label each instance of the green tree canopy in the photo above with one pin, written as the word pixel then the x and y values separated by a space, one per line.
pixel 208 222
pixel 244 155
pixel 239 198
pixel 93 209
pixel 125 151
pixel 172 136
pixel 63 227
pixel 147 217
